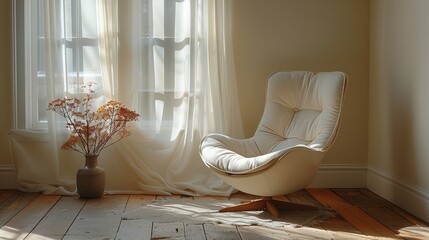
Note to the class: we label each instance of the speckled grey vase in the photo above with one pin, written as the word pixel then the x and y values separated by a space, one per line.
pixel 90 179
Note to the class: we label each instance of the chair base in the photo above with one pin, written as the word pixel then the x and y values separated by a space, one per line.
pixel 269 204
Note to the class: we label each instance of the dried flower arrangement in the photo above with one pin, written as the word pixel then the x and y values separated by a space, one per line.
pixel 91 132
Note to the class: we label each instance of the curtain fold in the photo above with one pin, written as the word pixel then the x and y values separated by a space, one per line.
pixel 224 88
pixel 107 23
pixel 182 84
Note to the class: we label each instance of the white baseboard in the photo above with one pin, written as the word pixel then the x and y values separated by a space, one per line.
pixel 7 177
pixel 328 176
pixel 413 199
pixel 340 176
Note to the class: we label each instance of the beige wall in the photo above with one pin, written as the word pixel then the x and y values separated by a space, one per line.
pixel 5 81
pixel 269 36
pixel 399 109
pixel 313 35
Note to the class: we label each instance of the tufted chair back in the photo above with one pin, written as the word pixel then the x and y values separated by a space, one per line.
pixel 300 122
pixel 302 108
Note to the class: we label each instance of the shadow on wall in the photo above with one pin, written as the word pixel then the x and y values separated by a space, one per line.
pixel 403 161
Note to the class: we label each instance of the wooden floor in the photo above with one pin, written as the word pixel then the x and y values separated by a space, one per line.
pixel 360 215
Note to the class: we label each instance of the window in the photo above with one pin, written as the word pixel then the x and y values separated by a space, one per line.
pixel 75 36
pixel 164 65
pixel 162 70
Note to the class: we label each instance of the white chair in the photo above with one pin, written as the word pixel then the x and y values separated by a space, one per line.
pixel 300 122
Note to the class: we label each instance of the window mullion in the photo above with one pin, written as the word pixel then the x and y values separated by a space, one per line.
pixel 79 47
pixel 31 57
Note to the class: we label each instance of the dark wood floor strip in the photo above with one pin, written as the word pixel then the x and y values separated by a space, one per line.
pixel 376 210
pixel 395 208
pixel 357 217
pixel 337 223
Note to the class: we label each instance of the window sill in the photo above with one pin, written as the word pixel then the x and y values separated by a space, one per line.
pixel 39 135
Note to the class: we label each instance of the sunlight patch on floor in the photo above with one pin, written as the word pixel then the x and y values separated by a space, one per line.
pixel 415 231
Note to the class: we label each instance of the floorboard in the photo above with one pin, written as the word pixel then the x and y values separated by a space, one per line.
pixel 27 219
pixel 357 217
pixel 221 231
pixel 138 229
pixel 12 202
pixel 98 219
pixel 194 231
pixel 359 214
pixel 58 220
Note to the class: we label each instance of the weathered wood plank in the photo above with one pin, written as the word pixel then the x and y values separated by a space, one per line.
pixel 336 223
pixel 304 197
pixel 194 231
pixel 169 230
pixel 262 233
pixel 138 200
pixel 307 233
pixel 138 229
pixel 390 219
pixel 99 218
pixel 357 217
pixel 344 235
pixel 221 231
pixel 337 226
pixel 6 198
pixel 25 221
pixel 418 230
pixel 12 202
pixel 355 197
pixel 378 211
pixel 395 208
pixel 58 220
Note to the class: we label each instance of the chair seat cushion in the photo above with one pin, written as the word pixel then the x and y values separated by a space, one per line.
pixel 221 153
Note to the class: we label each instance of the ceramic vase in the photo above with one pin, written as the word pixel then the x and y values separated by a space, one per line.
pixel 90 179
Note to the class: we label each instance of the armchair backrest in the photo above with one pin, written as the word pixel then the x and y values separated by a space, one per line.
pixel 301 108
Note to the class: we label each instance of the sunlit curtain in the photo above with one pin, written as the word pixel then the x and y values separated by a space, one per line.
pixel 178 73
pixel 61 55
pixel 183 87
pixel 107 16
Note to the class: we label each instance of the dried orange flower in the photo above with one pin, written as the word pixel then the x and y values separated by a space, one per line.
pixel 91 132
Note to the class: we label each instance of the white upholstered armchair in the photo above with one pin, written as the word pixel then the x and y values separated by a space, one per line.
pixel 300 122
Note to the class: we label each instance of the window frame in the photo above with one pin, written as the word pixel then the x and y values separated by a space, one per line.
pixel 28 75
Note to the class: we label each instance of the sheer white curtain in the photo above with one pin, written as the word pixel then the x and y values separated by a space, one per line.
pixel 51 72
pixel 182 82
pixel 184 88
pixel 107 15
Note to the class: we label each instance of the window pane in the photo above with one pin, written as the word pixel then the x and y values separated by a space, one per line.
pixel 182 70
pixel 158 19
pixel 183 19
pixel 73 58
pixel 89 21
pixel 158 62
pixel 67 16
pixel 91 59
pixel 42 101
